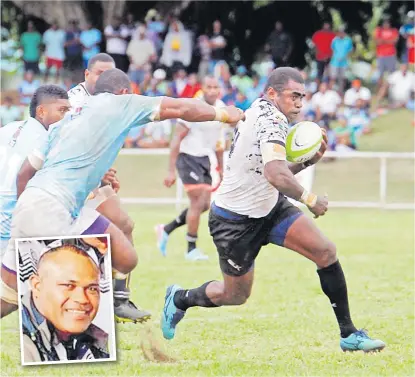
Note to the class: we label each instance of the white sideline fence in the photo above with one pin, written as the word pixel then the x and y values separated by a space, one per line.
pixel 181 199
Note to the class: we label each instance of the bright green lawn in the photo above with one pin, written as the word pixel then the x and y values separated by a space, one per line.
pixel 287 328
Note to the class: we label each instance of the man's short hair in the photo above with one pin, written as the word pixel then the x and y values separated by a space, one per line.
pixel 44 93
pixel 280 77
pixel 101 57
pixel 112 81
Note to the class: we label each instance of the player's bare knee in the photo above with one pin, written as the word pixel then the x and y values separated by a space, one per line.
pixel 327 254
pixel 197 204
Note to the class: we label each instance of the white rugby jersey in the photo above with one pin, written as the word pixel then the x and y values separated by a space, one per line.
pixel 203 137
pixel 244 188
pixel 78 96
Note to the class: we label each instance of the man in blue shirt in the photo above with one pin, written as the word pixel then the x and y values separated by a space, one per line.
pixel 49 104
pixel 90 39
pixel 342 46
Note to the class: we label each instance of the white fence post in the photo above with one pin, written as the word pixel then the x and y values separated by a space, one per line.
pixel 383 178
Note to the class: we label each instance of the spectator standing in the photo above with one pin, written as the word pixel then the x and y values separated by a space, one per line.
pixel 54 40
pixel 117 36
pixel 142 53
pixel 217 46
pixel 177 48
pixel 407 31
pixel 27 88
pixel 30 42
pixel 386 39
pixel 90 39
pixel 9 112
pixel 342 47
pixel 281 45
pixel 155 28
pixel 73 47
pixel 322 40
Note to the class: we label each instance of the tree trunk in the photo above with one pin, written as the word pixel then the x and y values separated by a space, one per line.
pixel 112 8
pixel 60 11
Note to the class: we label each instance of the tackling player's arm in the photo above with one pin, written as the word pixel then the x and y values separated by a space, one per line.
pixel 180 133
pixel 194 110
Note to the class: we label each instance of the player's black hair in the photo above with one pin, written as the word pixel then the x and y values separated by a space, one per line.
pixel 112 81
pixel 279 78
pixel 43 93
pixel 101 57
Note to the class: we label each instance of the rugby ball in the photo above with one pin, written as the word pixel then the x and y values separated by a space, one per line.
pixel 303 141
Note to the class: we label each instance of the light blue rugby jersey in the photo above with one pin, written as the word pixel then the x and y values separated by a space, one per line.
pixel 17 140
pixel 82 147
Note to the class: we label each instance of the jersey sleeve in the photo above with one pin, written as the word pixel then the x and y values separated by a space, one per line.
pixel 137 110
pixel 271 130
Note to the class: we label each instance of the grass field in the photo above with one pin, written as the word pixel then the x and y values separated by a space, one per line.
pixel 287 327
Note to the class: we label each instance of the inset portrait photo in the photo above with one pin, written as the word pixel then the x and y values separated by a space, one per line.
pixel 65 300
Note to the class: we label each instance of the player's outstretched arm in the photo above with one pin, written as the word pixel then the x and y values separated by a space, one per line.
pixel 26 172
pixel 194 110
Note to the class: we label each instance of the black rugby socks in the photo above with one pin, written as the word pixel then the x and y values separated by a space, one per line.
pixel 176 223
pixel 187 298
pixel 333 283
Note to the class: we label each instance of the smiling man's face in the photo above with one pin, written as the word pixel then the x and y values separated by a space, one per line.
pixel 66 290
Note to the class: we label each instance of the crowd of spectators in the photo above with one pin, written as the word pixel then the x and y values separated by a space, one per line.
pixel 157 56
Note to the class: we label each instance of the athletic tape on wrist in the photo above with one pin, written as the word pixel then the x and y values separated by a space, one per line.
pixel 308 198
pixel 221 115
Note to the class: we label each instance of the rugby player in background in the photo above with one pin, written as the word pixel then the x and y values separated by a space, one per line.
pixel 105 199
pixel 17 139
pixel 251 210
pixel 190 149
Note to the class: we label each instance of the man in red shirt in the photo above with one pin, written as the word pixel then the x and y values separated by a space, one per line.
pixel 386 39
pixel 322 41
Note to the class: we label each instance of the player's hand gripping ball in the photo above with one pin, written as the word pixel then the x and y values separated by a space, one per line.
pixel 303 141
